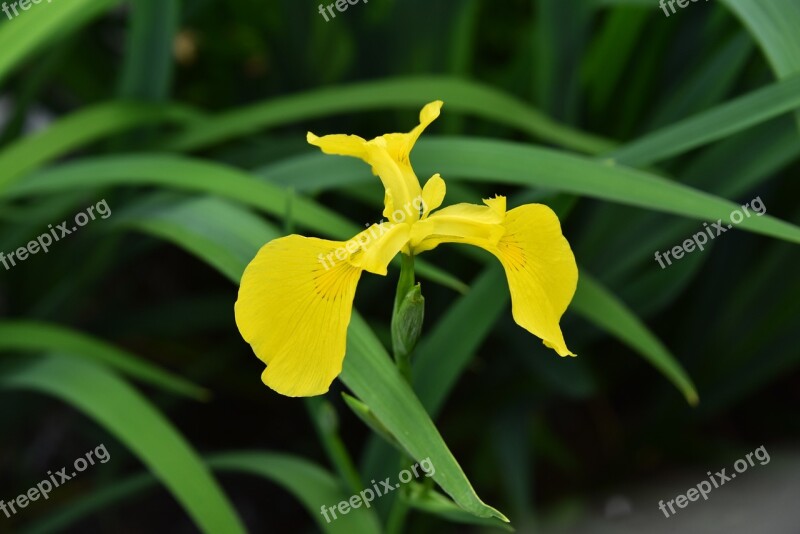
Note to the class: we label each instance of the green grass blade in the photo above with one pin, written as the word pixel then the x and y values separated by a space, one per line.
pixel 460 96
pixel 774 25
pixel 147 72
pixel 29 336
pixel 187 174
pixel 103 396
pixel 79 129
pixel 505 162
pixel 310 484
pixel 603 308
pixel 513 163
pixel 33 29
pixel 371 375
pixel 712 125
pixel 459 335
pixel 219 231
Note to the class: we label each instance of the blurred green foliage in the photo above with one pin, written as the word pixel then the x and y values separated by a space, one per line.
pixel 190 118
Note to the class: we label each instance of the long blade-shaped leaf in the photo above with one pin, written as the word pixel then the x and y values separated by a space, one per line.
pixel 24 35
pixel 42 337
pixel 199 176
pixel 310 484
pixel 714 124
pixel 104 397
pixel 77 130
pixel 484 160
pixel 460 95
pixel 602 308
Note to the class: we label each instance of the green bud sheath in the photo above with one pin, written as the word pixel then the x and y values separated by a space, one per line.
pixel 408 316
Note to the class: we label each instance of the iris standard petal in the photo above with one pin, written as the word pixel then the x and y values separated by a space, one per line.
pixel 388 155
pixel 433 194
pixel 294 306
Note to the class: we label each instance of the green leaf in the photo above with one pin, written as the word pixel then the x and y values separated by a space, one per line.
pixel 460 96
pixel 79 129
pixel 458 334
pixel 32 30
pixel 219 231
pixel 368 372
pixel 712 125
pixel 434 503
pixel 310 484
pixel 31 336
pixel 505 162
pixel 363 412
pixel 152 438
pixel 199 176
pixel 147 71
pixel 511 163
pixel 601 307
pixel 774 24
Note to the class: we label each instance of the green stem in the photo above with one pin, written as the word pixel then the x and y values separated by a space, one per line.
pixel 404 285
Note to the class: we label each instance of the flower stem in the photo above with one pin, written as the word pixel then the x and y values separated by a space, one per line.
pixel 407 317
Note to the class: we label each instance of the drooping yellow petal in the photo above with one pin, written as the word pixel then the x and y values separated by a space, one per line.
pixel 541 271
pixel 539 264
pixel 295 302
pixel 388 155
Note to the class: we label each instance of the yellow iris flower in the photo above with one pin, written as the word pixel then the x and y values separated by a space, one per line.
pixel 296 296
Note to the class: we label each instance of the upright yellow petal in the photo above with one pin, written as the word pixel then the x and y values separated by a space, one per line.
pixel 539 264
pixel 399 145
pixel 388 155
pixel 294 305
pixel 433 194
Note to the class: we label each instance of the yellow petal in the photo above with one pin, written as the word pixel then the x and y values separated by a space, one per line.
pixel 481 226
pixel 399 181
pixel 294 307
pixel 339 144
pixel 388 155
pixel 400 145
pixel 433 194
pixel 541 272
pixel 379 244
pixel 539 264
